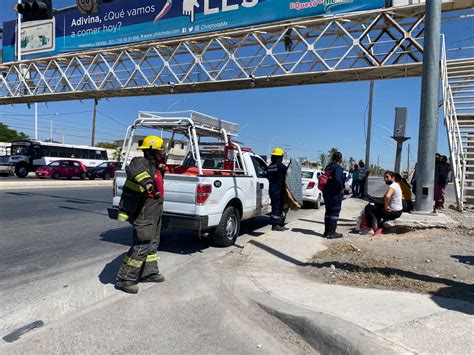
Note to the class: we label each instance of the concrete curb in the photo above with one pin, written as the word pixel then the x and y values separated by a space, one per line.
pixel 328 334
pixel 50 184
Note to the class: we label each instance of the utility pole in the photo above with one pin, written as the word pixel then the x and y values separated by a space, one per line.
pixel 369 134
pixel 36 121
pixel 93 121
pixel 408 160
pixel 428 138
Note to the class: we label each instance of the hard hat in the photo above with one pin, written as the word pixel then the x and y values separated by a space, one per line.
pixel 278 152
pixel 152 142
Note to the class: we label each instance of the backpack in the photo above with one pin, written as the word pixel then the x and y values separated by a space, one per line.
pixel 324 178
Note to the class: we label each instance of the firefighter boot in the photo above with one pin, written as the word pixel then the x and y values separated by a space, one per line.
pixel 332 234
pixel 126 286
pixel 278 228
pixel 153 278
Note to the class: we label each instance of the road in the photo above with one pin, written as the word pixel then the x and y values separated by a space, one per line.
pixel 60 255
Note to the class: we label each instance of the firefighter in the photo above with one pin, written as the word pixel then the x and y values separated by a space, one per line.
pixel 142 206
pixel 276 176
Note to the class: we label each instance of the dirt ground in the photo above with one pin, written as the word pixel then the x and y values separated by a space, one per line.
pixel 434 261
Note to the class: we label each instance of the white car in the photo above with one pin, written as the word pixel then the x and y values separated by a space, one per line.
pixel 311 193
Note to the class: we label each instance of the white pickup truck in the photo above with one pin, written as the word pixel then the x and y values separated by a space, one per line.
pixel 217 185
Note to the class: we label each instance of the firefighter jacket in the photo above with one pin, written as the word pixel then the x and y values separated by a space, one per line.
pixel 140 172
pixel 276 175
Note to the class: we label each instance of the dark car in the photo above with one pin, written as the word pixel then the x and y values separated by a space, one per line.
pixel 105 170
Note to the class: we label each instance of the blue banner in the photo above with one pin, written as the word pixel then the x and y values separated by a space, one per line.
pixel 124 21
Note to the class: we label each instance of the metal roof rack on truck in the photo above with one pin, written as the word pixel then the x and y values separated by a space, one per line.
pixel 205 125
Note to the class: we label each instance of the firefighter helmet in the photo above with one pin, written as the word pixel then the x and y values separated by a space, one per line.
pixel 278 152
pixel 152 142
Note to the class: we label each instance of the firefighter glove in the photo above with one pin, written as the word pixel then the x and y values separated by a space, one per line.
pixel 150 188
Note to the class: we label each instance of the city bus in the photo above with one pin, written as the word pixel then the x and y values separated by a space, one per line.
pixel 27 155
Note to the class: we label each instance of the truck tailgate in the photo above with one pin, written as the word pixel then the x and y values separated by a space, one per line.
pixel 180 192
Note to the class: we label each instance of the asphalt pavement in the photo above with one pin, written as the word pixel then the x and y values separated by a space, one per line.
pixel 60 255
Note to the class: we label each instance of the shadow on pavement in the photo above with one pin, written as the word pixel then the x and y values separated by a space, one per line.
pixel 83 210
pixel 250 227
pixel 65 198
pixel 352 224
pixel 465 259
pixel 109 273
pixel 121 236
pixel 278 254
pixel 306 231
pixel 455 290
pixel 171 241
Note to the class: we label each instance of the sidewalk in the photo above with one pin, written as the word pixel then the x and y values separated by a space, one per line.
pixel 32 182
pixel 340 319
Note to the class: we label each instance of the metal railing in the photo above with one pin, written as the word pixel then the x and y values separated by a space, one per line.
pixel 458 158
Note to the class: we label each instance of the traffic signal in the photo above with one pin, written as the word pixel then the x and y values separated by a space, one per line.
pixel 35 10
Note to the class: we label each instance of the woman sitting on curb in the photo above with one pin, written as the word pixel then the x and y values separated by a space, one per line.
pixel 406 193
pixel 390 209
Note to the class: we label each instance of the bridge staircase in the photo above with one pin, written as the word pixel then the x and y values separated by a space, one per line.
pixel 458 92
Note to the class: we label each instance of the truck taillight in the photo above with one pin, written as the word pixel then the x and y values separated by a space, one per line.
pixel 203 191
pixel 311 185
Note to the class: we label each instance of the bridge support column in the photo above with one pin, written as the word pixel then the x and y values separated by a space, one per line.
pixel 428 136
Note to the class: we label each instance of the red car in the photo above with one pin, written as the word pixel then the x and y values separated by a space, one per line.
pixel 63 168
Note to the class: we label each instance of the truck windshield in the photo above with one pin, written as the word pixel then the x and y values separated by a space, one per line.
pixel 20 150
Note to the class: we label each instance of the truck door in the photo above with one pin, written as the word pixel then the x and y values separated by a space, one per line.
pixel 263 199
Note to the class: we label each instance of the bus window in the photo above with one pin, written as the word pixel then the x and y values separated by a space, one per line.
pixel 62 152
pixel 36 152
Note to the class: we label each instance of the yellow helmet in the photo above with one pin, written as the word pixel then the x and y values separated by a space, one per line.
pixel 278 152
pixel 152 142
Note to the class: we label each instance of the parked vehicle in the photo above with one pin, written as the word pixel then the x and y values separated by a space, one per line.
pixel 217 185
pixel 27 155
pixel 311 193
pixel 104 171
pixel 62 168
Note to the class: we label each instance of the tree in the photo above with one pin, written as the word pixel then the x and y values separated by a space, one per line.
pixel 323 160
pixel 117 154
pixel 331 152
pixel 10 135
pixel 106 145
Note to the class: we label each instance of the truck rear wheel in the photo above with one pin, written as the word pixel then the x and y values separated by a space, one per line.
pixel 228 229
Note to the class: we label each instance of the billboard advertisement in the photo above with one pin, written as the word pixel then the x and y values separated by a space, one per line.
pixel 130 21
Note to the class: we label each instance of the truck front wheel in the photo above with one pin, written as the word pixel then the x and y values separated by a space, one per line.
pixel 21 170
pixel 228 229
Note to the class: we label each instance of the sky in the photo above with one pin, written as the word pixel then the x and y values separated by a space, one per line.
pixel 304 120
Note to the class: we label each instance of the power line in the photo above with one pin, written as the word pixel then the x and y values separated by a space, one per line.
pixel 61 124
pixel 66 135
pixel 112 119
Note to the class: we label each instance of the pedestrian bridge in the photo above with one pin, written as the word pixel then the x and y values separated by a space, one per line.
pixel 379 44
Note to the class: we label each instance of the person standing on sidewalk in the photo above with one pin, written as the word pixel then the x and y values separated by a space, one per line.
pixel 355 181
pixel 142 205
pixel 363 175
pixel 443 169
pixel 333 194
pixel 276 175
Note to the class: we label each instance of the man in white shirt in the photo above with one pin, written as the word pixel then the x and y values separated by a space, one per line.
pixel 390 209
